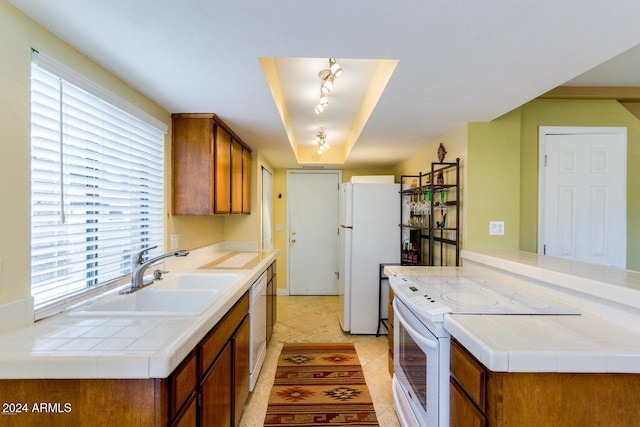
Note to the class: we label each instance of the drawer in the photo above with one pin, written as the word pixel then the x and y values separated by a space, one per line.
pixel 212 344
pixel 469 373
pixel 182 383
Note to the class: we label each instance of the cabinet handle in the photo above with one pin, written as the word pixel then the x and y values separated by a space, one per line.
pixel 293 240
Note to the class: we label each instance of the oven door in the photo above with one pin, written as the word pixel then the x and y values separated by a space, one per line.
pixel 421 365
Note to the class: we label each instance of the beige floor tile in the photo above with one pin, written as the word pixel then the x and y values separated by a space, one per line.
pixel 315 319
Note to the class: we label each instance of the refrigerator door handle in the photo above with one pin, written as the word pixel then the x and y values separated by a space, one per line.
pixel 346 226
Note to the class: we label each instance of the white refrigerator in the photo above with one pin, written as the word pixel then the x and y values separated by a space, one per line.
pixel 369 236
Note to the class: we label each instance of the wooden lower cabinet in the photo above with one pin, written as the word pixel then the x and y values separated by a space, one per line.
pixel 391 332
pixel 539 399
pixel 209 388
pixel 215 398
pixel 241 366
pixel 272 300
pixel 188 417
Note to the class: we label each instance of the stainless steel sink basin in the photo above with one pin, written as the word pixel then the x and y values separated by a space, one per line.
pixel 151 302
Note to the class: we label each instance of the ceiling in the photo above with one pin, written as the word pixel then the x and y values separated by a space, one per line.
pixel 457 61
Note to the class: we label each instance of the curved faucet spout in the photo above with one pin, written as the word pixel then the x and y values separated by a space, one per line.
pixel 138 267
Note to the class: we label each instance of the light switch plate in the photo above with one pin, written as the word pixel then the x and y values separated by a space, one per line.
pixel 175 241
pixel 496 228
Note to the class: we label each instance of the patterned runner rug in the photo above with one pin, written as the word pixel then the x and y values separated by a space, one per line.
pixel 319 385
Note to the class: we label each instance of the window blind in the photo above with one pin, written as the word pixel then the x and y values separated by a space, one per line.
pixel 97 192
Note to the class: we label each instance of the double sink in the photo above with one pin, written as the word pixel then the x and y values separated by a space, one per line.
pixel 183 294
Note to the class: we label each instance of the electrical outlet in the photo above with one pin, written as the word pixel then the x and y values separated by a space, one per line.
pixel 175 241
pixel 496 228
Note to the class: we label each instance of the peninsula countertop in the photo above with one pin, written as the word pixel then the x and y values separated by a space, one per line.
pixel 601 339
pixel 69 346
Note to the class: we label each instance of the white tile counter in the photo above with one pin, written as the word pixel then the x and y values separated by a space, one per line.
pixel 605 338
pixel 67 346
pixel 547 343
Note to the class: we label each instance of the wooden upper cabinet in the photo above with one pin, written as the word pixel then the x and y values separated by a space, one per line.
pixel 222 167
pixel 236 177
pixel 246 181
pixel 210 167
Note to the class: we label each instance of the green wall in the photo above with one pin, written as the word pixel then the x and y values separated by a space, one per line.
pixel 578 113
pixel 493 182
pixel 502 182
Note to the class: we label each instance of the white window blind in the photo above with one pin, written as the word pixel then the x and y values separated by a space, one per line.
pixel 97 191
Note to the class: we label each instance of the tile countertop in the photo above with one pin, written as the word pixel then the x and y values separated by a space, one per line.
pixel 67 346
pixel 554 343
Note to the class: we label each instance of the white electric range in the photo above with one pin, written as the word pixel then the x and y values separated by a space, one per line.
pixel 421 346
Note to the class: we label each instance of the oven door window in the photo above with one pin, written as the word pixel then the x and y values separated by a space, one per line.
pixel 414 365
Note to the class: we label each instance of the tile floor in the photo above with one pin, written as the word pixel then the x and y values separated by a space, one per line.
pixel 315 319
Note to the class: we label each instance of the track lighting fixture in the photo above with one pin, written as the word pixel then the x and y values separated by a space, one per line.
pixel 321 140
pixel 327 76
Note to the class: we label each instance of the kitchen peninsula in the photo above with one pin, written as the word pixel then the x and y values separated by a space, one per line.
pixel 94 368
pixel 527 369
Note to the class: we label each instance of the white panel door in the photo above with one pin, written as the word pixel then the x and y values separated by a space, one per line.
pixel 312 204
pixel 583 195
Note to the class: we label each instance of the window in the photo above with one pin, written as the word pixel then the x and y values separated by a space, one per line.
pixel 97 187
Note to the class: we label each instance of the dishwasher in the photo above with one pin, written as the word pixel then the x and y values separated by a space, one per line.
pixel 258 316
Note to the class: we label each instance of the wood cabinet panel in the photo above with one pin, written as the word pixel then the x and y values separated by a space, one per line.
pixel 222 167
pixel 80 402
pixel 470 373
pixel 212 344
pixel 182 382
pixel 241 366
pixel 391 334
pixel 236 177
pixel 188 417
pixel 192 166
pixel 463 412
pixel 215 409
pixel 209 177
pixel 548 398
pixel 246 181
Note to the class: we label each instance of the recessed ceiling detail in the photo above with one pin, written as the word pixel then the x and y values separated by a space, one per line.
pixel 296 91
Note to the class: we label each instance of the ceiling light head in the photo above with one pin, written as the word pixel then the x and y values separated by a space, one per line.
pixel 321 140
pixel 324 101
pixel 326 86
pixel 335 68
pixel 319 109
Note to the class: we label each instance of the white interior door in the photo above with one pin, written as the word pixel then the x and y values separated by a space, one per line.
pixel 267 209
pixel 312 205
pixel 583 194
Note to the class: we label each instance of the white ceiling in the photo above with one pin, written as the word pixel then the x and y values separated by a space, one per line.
pixel 459 60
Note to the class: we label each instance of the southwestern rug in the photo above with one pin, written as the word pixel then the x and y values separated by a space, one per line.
pixel 319 385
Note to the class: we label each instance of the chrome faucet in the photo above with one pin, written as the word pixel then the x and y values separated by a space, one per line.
pixel 139 266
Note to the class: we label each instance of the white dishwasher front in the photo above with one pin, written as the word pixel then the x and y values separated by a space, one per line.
pixel 258 315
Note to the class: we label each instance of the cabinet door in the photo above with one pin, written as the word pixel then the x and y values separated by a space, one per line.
pixel 463 413
pixel 188 417
pixel 241 350
pixel 236 177
pixel 192 165
pixel 270 297
pixel 222 166
pixel 246 181
pixel 215 391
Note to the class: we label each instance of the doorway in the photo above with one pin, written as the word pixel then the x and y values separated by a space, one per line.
pixel 312 228
pixel 582 194
pixel 267 209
